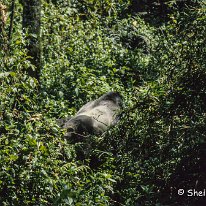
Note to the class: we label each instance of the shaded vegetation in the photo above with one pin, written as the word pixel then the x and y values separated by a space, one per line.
pixel 89 48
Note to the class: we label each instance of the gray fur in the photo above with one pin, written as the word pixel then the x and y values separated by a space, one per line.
pixel 94 117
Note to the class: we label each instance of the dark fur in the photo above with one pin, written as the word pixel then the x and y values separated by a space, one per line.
pixel 94 117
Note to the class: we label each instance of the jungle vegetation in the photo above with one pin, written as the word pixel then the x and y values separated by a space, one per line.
pixel 56 55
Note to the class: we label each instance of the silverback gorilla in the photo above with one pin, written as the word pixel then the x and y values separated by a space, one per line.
pixel 94 117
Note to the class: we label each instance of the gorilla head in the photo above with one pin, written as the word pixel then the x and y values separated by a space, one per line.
pixel 112 97
pixel 94 117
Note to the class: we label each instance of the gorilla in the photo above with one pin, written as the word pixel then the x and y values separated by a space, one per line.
pixel 94 117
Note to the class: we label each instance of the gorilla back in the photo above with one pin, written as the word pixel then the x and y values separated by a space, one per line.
pixel 94 117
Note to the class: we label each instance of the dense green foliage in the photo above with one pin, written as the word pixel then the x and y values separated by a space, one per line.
pixel 89 48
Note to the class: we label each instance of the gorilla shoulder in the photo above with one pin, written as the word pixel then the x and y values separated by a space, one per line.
pixel 95 116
